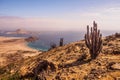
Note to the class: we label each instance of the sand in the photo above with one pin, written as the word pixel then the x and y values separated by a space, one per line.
pixel 13 49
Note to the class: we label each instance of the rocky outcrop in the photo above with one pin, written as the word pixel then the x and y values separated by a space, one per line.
pixel 37 69
pixel 31 39
pixel 115 66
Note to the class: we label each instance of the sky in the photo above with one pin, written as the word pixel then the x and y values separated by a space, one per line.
pixel 59 15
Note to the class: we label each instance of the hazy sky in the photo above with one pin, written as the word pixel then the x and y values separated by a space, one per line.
pixel 60 15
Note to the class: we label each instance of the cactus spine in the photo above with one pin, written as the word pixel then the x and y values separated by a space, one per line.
pixel 93 41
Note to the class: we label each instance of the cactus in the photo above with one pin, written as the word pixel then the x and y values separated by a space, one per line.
pixel 93 41
pixel 61 41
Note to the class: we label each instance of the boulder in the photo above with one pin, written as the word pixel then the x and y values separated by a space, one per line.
pixel 31 39
pixel 115 66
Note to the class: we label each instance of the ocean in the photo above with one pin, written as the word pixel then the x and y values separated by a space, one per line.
pixel 48 38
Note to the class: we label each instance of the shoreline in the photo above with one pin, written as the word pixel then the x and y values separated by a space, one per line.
pixel 13 49
pixel 42 50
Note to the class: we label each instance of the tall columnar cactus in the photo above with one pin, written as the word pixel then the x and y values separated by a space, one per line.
pixel 93 40
pixel 61 41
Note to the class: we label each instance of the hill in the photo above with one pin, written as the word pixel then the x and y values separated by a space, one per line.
pixel 19 31
pixel 69 62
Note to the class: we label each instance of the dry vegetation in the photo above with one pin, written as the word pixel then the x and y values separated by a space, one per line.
pixel 68 62
pixel 94 58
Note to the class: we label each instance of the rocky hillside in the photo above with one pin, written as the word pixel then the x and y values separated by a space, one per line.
pixel 69 62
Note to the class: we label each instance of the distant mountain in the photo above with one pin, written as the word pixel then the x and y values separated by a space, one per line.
pixel 19 31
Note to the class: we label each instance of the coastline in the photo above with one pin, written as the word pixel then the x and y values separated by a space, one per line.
pixel 39 49
pixel 13 49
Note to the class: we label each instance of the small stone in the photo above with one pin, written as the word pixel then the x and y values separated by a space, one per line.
pixel 115 66
pixel 99 76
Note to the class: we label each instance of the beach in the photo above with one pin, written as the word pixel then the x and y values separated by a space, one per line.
pixel 14 49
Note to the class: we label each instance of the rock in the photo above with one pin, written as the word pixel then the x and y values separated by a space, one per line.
pixel 37 69
pixel 57 77
pixel 115 66
pixel 116 51
pixel 99 76
pixel 31 39
pixel 95 74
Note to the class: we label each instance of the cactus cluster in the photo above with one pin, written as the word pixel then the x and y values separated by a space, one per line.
pixel 93 40
pixel 61 42
pixel 53 45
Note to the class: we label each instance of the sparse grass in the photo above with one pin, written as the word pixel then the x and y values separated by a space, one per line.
pixel 2 71
pixel 15 76
pixel 71 54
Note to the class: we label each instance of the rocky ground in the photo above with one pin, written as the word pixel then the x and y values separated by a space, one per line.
pixel 69 62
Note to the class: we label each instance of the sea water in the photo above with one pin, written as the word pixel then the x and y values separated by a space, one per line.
pixel 48 38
